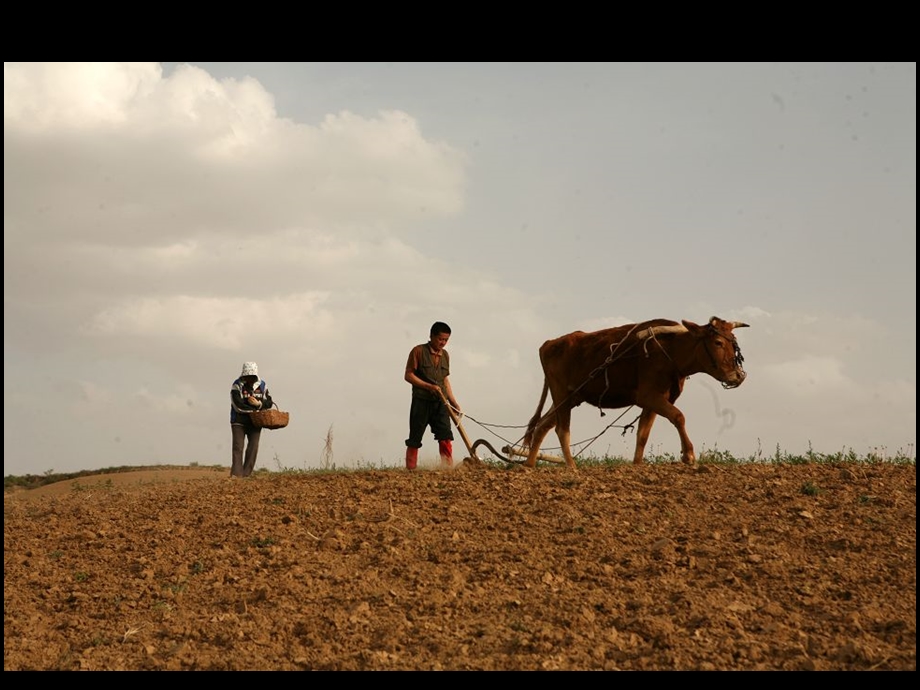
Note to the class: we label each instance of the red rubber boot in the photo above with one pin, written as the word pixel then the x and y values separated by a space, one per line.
pixel 411 458
pixel 446 449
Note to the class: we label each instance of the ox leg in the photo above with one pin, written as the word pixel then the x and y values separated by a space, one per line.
pixel 676 417
pixel 687 453
pixel 646 420
pixel 563 431
pixel 539 433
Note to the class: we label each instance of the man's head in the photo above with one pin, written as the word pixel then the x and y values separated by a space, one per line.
pixel 440 334
pixel 439 327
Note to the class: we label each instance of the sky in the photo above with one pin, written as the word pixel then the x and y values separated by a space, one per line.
pixel 166 222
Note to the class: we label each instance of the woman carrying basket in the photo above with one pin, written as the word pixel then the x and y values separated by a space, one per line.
pixel 248 393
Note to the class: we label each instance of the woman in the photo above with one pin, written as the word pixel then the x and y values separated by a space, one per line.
pixel 247 394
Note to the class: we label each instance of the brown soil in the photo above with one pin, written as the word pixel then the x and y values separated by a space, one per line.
pixel 649 567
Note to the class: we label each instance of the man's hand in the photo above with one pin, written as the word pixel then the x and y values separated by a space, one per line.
pixel 255 402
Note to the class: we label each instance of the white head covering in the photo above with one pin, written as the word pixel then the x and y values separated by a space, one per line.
pixel 250 369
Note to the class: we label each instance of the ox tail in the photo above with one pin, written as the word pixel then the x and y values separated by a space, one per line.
pixel 537 416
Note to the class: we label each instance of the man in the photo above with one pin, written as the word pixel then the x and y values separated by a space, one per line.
pixel 428 370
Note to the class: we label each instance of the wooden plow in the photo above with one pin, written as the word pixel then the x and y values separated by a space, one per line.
pixel 510 452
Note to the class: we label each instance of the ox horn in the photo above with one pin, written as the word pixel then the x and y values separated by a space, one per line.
pixel 734 324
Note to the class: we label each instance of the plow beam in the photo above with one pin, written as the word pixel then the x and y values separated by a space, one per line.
pixel 540 456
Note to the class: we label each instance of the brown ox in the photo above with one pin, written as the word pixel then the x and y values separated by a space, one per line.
pixel 643 364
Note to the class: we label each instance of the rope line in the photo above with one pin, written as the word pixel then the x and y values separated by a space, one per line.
pixel 586 443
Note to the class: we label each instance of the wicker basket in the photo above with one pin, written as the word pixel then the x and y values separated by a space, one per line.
pixel 270 418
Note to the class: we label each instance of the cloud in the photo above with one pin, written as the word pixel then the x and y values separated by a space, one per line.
pixel 814 376
pixel 73 96
pixel 210 322
pixel 217 160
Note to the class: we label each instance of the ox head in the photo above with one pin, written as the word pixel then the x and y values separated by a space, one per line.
pixel 722 352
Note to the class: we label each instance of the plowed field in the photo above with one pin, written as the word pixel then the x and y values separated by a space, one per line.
pixel 652 567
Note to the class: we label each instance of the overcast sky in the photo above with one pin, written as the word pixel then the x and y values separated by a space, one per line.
pixel 165 222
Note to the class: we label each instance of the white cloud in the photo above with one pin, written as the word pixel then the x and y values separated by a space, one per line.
pixel 810 376
pixel 226 324
pixel 217 160
pixel 68 96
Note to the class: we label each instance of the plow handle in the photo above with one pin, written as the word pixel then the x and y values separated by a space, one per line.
pixel 456 418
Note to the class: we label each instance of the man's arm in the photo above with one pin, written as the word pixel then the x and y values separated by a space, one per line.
pixel 449 394
pixel 412 377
